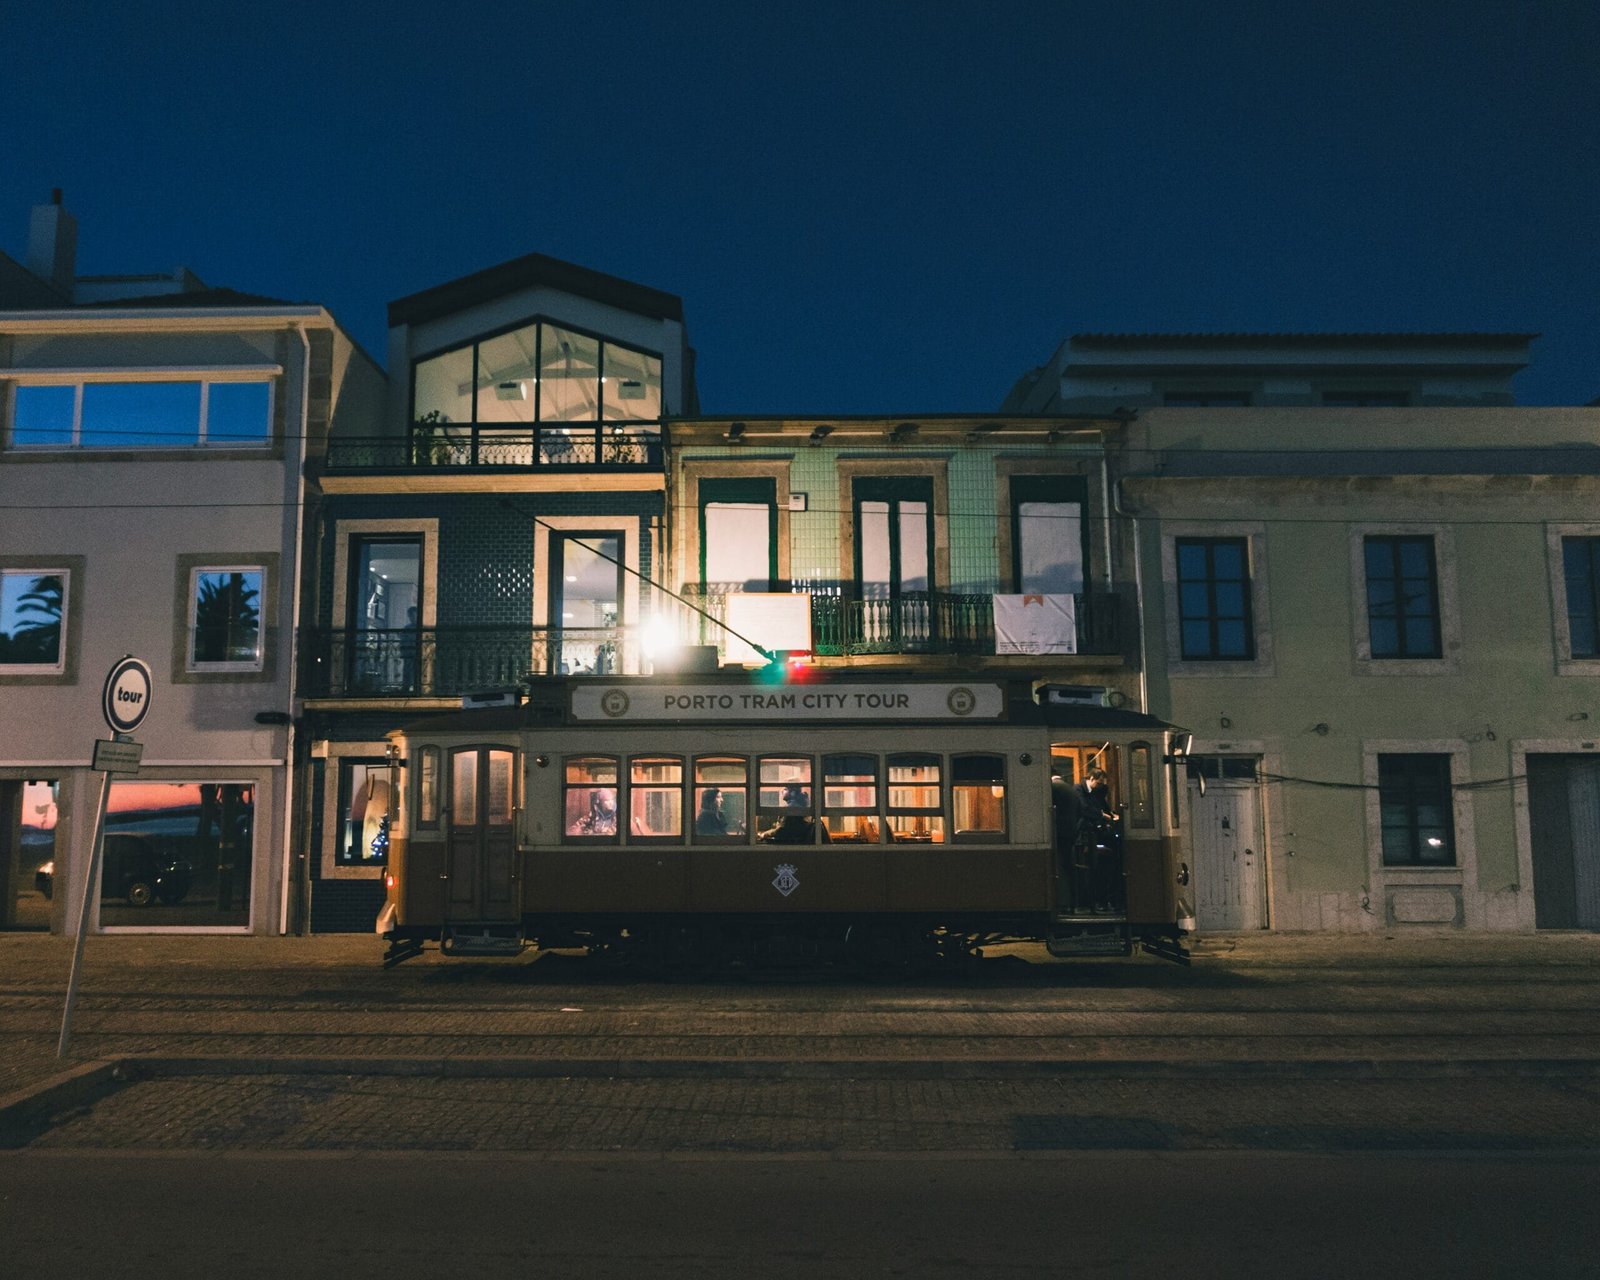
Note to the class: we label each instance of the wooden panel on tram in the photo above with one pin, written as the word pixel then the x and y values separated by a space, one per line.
pixel 604 879
pixel 819 879
pixel 945 877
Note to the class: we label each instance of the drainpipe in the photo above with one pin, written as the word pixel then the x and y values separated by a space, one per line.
pixel 1138 576
pixel 292 655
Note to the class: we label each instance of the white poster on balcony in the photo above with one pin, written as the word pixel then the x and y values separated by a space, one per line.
pixel 1035 624
pixel 773 619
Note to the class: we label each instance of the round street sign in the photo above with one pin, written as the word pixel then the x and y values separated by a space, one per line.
pixel 126 699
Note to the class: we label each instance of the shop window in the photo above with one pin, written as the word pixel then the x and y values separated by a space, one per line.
pixel 916 810
pixel 178 853
pixel 364 812
pixel 655 798
pixel 785 803
pixel 850 798
pixel 978 797
pixel 590 803
pixel 721 799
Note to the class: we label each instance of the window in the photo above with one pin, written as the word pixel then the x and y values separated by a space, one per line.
pixel 587 571
pixel 1365 399
pixel 33 617
pixel 721 799
pixel 1415 811
pixel 143 415
pixel 894 536
pixel 850 798
pixel 513 388
pixel 1141 807
pixel 978 797
pixel 364 813
pixel 178 854
pixel 738 534
pixel 784 801
pixel 427 787
pixel 655 798
pixel 590 805
pixel 1580 562
pixel 1047 534
pixel 916 812
pixel 225 617
pixel 385 599
pixel 1214 599
pixel 1402 597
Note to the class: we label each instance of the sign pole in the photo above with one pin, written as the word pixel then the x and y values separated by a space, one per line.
pixel 124 701
pixel 91 882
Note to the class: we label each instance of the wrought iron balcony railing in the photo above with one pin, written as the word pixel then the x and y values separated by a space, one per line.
pixel 450 661
pixel 442 446
pixel 430 662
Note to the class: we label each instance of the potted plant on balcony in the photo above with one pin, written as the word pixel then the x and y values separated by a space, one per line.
pixel 431 442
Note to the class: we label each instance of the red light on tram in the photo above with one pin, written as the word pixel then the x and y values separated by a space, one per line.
pixel 388 880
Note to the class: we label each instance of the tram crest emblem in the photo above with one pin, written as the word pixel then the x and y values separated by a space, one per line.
pixel 787 882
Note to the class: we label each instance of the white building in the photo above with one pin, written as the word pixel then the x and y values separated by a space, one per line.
pixel 152 496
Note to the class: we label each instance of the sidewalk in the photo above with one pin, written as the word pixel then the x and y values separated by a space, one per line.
pixel 1249 1003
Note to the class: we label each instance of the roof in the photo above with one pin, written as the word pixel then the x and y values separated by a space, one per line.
pixel 532 271
pixel 195 298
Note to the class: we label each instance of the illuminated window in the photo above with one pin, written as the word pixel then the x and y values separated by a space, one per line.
pixel 364 813
pixel 428 787
pixel 590 805
pixel 655 797
pixel 978 797
pixel 850 798
pixel 785 804
pixel 721 799
pixel 916 811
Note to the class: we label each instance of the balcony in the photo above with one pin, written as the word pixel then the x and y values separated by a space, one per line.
pixel 446 662
pixel 919 622
pixel 440 447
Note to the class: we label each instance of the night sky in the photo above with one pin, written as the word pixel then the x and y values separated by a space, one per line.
pixel 867 207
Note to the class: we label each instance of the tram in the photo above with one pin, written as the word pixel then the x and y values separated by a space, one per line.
pixel 883 823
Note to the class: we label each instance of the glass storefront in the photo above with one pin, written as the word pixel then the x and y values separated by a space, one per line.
pixel 178 853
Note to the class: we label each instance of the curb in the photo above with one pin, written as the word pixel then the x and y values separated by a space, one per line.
pixel 25 1112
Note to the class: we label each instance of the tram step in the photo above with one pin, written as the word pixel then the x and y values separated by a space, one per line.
pixel 1104 938
pixel 483 940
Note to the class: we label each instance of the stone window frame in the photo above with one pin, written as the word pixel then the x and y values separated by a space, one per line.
pixel 333 754
pixel 71 640
pixel 1561 629
pixel 1444 562
pixel 1098 557
pixel 183 670
pixel 936 469
pixel 694 470
pixel 1254 533
pixel 1463 875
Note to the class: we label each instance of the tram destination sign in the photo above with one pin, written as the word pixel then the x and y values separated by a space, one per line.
pixel 972 700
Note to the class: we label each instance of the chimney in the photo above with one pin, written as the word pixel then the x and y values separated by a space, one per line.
pixel 53 244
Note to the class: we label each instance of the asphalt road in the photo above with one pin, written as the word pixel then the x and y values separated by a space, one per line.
pixel 1237 1214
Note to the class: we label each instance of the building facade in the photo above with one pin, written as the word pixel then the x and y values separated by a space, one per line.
pixel 505 519
pixel 151 499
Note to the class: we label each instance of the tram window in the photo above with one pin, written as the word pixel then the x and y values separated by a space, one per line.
pixel 850 798
pixel 428 787
pixel 655 797
pixel 591 797
pixel 498 810
pixel 464 789
pixel 916 813
pixel 978 797
pixel 784 808
pixel 721 799
pixel 1141 806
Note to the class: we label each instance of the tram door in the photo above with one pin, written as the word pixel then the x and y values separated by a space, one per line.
pixel 482 846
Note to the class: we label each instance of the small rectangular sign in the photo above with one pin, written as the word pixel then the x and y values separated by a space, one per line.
pixel 117 757
pixel 980 700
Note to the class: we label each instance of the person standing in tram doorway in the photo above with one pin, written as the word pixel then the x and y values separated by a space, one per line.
pixel 1072 871
pixel 1099 838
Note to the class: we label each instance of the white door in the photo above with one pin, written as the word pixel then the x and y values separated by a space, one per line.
pixel 1228 858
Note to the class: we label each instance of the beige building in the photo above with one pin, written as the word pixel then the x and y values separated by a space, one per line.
pixel 1370 588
